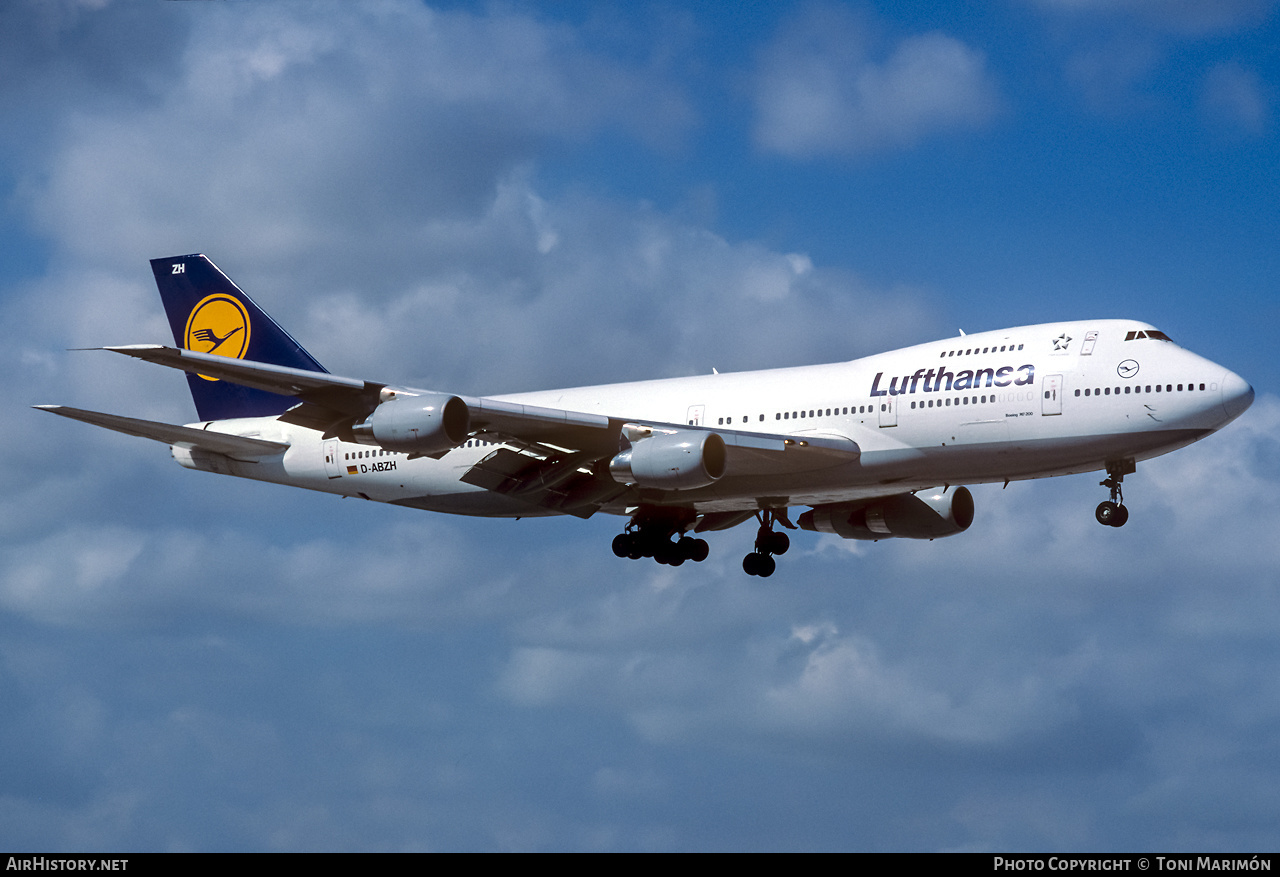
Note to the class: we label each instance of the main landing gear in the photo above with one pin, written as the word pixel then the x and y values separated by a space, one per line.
pixel 1112 512
pixel 768 543
pixel 654 540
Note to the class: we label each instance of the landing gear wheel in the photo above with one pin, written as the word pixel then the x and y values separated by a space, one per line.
pixel 1113 513
pixel 1106 513
pixel 767 566
pixel 694 549
pixel 1121 515
pixel 622 545
pixel 768 543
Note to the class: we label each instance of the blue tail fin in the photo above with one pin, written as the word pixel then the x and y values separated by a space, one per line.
pixel 210 314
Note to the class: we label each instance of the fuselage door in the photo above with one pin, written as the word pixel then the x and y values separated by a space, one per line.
pixel 696 415
pixel 332 467
pixel 1051 395
pixel 1090 339
pixel 889 411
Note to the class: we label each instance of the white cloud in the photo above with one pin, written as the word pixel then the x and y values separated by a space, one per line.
pixel 308 122
pixel 192 662
pixel 819 91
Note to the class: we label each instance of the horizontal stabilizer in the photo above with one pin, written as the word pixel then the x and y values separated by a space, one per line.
pixel 235 446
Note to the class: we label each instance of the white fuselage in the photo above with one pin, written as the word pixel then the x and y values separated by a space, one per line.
pixel 1013 404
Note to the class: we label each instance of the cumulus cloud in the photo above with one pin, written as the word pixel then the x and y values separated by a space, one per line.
pixel 341 674
pixel 821 90
pixel 312 120
pixel 364 172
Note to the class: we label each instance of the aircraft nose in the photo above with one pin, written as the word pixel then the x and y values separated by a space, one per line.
pixel 1237 395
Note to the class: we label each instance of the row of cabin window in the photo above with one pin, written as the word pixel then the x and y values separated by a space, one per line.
pixel 360 455
pixel 961 400
pixel 797 415
pixel 1168 388
pixel 972 350
pixel 380 452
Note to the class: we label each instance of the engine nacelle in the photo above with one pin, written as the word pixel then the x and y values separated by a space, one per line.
pixel 423 424
pixel 909 516
pixel 671 461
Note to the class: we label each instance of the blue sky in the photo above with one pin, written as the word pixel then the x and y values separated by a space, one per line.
pixel 491 198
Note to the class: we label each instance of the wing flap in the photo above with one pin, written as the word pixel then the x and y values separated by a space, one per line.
pixel 235 446
pixel 556 483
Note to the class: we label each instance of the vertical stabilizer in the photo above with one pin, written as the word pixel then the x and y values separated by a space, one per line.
pixel 210 314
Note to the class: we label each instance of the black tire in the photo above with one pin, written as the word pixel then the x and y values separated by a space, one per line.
pixel 1119 518
pixel 670 553
pixel 1106 513
pixel 700 550
pixel 622 545
pixel 751 564
pixel 779 542
pixel 767 566
pixel 686 547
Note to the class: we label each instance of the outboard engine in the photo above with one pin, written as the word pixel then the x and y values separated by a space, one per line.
pixel 924 515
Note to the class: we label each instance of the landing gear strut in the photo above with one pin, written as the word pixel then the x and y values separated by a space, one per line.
pixel 1112 512
pixel 768 543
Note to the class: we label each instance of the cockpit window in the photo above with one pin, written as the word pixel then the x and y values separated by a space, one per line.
pixel 1156 334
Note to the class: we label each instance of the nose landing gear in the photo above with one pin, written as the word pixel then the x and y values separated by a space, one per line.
pixel 1112 512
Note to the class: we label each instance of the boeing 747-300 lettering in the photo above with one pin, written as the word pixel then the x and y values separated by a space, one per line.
pixel 876 448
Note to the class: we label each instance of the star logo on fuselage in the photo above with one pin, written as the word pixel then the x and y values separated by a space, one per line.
pixel 219 323
pixel 1061 342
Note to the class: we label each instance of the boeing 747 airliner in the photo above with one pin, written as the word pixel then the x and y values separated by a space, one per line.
pixel 875 448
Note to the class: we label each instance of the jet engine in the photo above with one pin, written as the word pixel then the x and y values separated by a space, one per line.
pixel 671 461
pixel 424 424
pixel 925 515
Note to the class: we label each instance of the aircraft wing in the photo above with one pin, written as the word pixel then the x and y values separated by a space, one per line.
pixel 331 403
pixel 329 398
pixel 235 446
